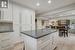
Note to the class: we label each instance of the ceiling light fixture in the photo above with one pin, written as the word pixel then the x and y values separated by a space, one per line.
pixel 38 4
pixel 60 15
pixel 73 13
pixel 49 1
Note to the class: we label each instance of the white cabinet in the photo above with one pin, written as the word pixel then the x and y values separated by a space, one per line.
pixel 45 43
pixel 7 13
pixel 5 41
pixel 48 42
pixel 44 46
pixel 47 47
pixel 54 39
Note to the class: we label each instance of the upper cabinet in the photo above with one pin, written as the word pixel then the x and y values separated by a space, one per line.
pixel 6 16
pixel 6 11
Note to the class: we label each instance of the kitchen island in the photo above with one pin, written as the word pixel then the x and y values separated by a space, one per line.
pixel 42 39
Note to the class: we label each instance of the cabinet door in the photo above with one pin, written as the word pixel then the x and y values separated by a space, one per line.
pixel 54 39
pixel 46 47
pixel 6 14
pixel 5 41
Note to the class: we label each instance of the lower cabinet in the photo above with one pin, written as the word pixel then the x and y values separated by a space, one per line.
pixel 5 41
pixel 45 46
pixel 45 43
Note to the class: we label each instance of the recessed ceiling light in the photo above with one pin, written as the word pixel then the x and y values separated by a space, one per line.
pixel 38 4
pixel 49 1
pixel 60 15
pixel 73 13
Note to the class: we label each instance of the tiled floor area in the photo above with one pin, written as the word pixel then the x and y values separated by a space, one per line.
pixel 67 43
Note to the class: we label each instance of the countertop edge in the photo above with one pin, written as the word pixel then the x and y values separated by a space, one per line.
pixel 39 36
pixel 5 31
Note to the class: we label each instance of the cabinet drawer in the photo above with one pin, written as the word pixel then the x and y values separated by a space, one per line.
pixel 45 38
pixel 4 43
pixel 4 36
pixel 45 46
pixel 7 48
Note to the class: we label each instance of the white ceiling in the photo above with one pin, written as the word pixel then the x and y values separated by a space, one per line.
pixel 44 6
pixel 62 15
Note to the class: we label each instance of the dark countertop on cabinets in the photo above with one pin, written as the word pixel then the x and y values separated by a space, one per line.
pixel 39 33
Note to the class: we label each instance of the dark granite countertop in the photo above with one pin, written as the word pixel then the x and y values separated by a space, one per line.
pixel 5 31
pixel 39 33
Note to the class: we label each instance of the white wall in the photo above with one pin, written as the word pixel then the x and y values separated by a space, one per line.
pixel 27 20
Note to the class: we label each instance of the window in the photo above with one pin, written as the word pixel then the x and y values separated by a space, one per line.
pixel 3 3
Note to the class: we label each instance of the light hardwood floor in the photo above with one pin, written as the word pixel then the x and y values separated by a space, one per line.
pixel 67 43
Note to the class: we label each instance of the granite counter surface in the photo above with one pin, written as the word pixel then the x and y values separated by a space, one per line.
pixel 39 33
